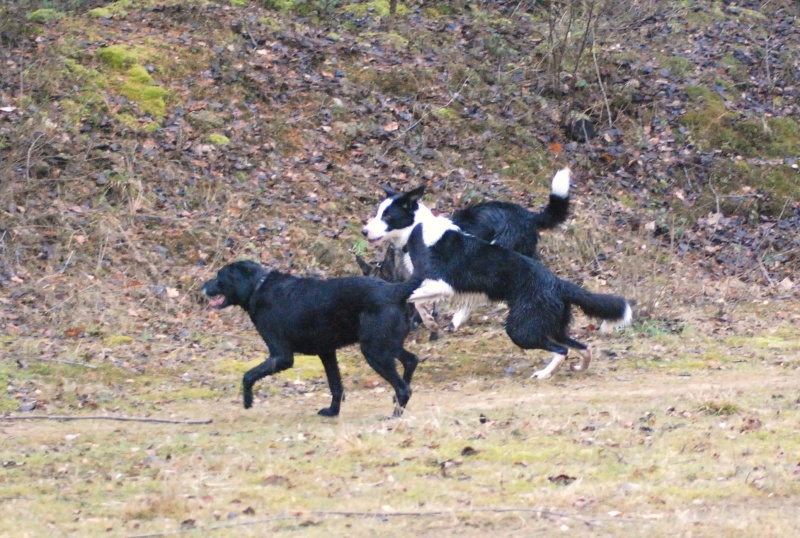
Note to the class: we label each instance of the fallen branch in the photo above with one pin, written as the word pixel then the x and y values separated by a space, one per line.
pixel 380 515
pixel 103 417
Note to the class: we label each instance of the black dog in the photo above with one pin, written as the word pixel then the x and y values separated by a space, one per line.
pixel 316 317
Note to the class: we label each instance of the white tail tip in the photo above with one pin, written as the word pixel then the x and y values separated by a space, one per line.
pixel 561 183
pixel 624 321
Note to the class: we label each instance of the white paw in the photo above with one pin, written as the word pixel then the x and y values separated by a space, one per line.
pixel 542 374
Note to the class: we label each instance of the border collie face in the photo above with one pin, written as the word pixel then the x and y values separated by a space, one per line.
pixel 395 217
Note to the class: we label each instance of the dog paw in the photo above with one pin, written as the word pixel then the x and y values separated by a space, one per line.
pixel 248 401
pixel 578 367
pixel 542 374
pixel 328 412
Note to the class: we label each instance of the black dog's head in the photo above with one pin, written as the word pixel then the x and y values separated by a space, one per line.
pixel 234 285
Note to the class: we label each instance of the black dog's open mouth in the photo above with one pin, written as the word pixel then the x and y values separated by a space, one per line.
pixel 218 302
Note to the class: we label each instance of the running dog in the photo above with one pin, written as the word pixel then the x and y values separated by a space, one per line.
pixel 316 317
pixel 467 270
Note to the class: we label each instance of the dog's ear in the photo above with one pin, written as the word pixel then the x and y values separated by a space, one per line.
pixel 412 197
pixel 388 190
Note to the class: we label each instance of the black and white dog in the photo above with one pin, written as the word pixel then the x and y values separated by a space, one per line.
pixel 461 267
pixel 501 223
pixel 316 317
pixel 511 225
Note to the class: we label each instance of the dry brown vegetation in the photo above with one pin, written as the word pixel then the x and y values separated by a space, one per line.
pixel 143 144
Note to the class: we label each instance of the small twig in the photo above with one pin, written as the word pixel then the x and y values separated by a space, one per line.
pixel 602 88
pixel 71 363
pixel 688 181
pixel 378 515
pixel 28 160
pixel 764 271
pixel 716 196
pixel 103 417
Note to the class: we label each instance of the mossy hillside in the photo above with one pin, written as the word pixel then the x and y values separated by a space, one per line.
pixel 715 127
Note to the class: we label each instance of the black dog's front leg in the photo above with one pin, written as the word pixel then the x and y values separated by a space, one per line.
pixel 272 365
pixel 334 383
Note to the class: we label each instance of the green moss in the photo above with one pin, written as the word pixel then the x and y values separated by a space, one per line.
pixel 139 75
pixel 678 66
pixel 272 24
pixel 447 114
pixel 135 83
pixel 118 340
pixel 150 99
pixel 45 15
pixel 100 13
pixel 379 7
pixel 120 56
pixel 218 139
pixel 279 5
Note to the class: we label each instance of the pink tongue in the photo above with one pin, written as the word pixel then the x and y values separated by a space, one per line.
pixel 217 301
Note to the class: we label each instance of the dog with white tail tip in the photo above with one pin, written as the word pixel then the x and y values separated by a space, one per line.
pixel 462 268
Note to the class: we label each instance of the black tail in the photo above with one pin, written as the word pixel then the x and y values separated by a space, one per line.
pixel 554 214
pixel 605 307
pixel 558 207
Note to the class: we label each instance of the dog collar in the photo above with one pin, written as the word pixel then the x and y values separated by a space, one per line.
pixel 253 295
pixel 260 282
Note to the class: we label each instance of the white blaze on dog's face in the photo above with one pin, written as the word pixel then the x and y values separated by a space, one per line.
pixel 377 228
pixel 395 217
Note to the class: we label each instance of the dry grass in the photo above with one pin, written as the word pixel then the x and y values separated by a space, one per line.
pixel 666 433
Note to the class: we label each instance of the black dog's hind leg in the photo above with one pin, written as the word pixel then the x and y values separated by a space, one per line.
pixel 409 362
pixel 334 383
pixel 273 365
